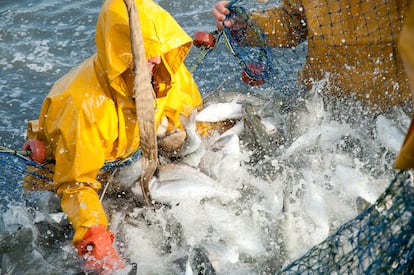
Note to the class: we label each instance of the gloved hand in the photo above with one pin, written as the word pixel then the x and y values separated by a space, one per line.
pixel 172 143
pixel 97 250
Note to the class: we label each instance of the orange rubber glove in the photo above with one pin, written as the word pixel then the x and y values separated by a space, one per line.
pixel 97 250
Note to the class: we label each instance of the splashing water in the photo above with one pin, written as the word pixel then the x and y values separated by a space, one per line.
pixel 315 184
pixel 326 169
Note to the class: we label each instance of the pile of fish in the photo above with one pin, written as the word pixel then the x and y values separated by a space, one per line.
pixel 249 198
pixel 257 196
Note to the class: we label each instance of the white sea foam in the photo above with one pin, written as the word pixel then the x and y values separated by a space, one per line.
pixel 319 178
pixel 246 223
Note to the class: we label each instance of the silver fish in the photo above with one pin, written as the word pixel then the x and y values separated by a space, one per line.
pixel 193 140
pixel 324 134
pixel 177 182
pixel 234 97
pixel 220 112
pixel 222 157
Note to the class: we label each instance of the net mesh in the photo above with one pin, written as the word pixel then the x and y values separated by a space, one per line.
pixel 11 179
pixel 237 49
pixel 297 43
pixel 255 61
pixel 377 241
pixel 20 174
pixel 304 43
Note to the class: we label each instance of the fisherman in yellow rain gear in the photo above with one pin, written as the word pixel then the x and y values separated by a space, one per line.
pixel 352 44
pixel 89 116
pixel 405 158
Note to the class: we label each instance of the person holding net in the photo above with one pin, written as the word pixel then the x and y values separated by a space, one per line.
pixel 352 44
pixel 89 117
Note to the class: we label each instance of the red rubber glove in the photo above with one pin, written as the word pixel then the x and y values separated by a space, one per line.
pixel 97 250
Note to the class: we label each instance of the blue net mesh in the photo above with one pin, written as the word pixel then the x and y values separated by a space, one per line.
pixel 378 241
pixel 11 179
pixel 256 59
pixel 244 51
pixel 323 39
pixel 20 174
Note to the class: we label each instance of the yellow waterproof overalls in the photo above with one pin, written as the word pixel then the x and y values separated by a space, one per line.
pixel 89 115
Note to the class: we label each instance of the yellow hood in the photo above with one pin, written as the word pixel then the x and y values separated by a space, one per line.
pixel 162 37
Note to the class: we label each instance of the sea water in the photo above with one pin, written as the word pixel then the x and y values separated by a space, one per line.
pixel 329 161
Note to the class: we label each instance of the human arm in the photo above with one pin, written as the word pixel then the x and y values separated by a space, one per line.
pixel 285 25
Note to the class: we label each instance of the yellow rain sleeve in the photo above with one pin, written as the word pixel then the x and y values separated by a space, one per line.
pixel 84 210
pixel 81 133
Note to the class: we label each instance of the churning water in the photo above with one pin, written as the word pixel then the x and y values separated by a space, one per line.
pixel 334 158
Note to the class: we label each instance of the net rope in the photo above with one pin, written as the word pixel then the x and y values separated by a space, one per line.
pixel 296 51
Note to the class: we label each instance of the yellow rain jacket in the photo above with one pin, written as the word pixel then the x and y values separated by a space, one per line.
pixel 89 115
pixel 405 159
pixel 352 43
